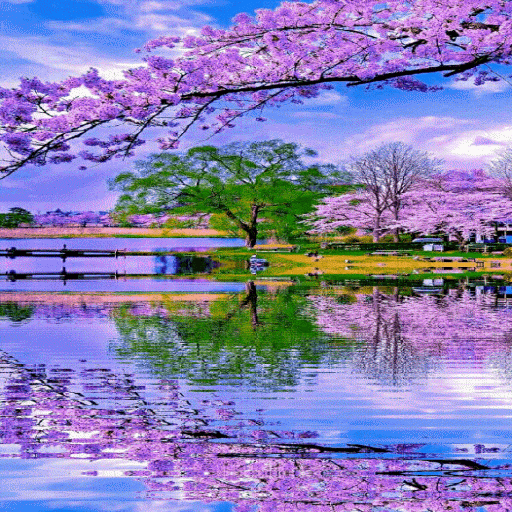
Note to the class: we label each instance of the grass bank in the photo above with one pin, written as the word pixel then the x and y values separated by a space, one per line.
pixel 358 264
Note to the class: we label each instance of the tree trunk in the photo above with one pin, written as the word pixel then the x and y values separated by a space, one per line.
pixel 396 231
pixel 461 241
pixel 376 229
pixel 251 229
pixel 251 237
pixel 252 300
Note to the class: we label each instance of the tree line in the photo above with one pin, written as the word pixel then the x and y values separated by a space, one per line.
pixel 272 188
pixel 275 189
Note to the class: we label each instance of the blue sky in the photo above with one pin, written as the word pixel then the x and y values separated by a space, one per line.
pixel 464 125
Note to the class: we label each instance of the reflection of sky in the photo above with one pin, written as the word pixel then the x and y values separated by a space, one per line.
pixel 129 265
pixel 63 484
pixel 122 264
pixel 448 406
pixel 130 244
pixel 51 341
pixel 124 285
pixel 453 403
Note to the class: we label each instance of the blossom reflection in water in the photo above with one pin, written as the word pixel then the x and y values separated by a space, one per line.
pixel 171 413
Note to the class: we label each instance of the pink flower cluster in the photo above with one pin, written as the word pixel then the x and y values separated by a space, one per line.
pixel 58 218
pixel 455 204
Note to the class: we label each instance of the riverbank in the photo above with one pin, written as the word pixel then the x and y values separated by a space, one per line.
pixel 109 232
pixel 283 265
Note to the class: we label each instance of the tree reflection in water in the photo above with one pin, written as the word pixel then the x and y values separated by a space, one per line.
pixel 189 449
pixel 259 338
pixel 403 336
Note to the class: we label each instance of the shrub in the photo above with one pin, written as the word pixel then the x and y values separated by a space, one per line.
pixel 354 239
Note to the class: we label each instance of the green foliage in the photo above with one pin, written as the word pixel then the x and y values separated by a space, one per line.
pixel 15 311
pixel 260 188
pixel 263 338
pixel 15 217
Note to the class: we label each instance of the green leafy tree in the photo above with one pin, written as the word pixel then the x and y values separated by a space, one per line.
pixel 248 183
pixel 15 217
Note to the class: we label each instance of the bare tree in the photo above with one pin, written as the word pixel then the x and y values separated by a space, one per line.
pixel 502 169
pixel 387 173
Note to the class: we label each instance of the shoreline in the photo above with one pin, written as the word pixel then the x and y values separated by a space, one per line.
pixel 106 232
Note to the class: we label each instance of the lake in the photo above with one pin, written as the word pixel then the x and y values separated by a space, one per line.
pixel 130 244
pixel 49 272
pixel 237 397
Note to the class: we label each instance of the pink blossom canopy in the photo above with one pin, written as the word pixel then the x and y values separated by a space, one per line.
pixel 285 54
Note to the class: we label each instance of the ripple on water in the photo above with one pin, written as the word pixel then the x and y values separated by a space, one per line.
pixel 256 401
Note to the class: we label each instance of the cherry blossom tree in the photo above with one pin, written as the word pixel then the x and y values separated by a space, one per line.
pixel 146 220
pixel 358 209
pixel 60 219
pixel 288 54
pixel 51 219
pixel 456 204
pixel 502 168
pixel 387 173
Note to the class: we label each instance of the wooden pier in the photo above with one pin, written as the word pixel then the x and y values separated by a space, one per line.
pixel 63 275
pixel 63 253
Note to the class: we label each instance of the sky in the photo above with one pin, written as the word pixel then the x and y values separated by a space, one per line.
pixel 464 125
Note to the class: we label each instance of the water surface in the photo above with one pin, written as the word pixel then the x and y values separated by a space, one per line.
pixel 129 244
pixel 276 398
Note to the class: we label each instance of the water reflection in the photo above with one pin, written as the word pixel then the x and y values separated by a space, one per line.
pixel 265 400
pixel 257 338
pixel 80 267
pixel 464 324
pixel 131 244
pixel 94 418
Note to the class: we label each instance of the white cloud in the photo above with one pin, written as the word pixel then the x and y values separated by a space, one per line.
pixel 407 130
pixel 150 17
pixel 55 49
pixel 152 6
pixel 479 90
pixel 55 61
pixel 159 23
pixel 314 114
pixel 326 99
pixel 460 142
pixel 149 23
